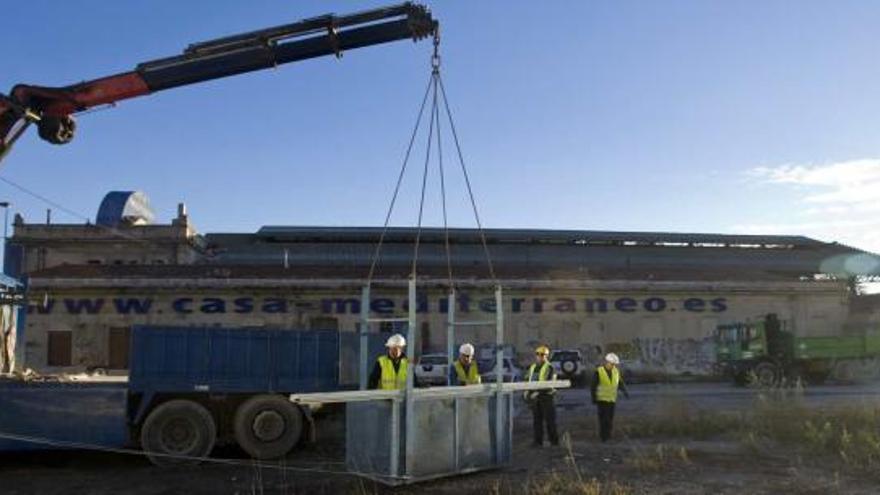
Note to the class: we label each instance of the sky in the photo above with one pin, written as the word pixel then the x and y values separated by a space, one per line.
pixel 755 117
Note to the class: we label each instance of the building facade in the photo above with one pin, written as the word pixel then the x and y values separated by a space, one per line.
pixel 655 298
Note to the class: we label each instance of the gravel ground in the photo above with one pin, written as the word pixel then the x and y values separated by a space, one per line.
pixel 639 465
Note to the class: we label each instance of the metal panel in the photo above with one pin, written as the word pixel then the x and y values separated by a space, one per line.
pixel 233 360
pixel 433 448
pixel 47 410
pixel 368 437
pixel 433 451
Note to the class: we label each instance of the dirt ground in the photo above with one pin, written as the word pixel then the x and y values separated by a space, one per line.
pixel 655 465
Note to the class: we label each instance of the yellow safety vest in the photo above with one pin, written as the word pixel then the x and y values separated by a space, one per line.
pixel 606 391
pixel 391 380
pixel 471 377
pixel 543 373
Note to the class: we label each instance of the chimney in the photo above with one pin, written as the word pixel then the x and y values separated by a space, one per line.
pixel 182 218
pixel 48 216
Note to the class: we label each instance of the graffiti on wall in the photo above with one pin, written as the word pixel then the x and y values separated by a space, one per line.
pixel 667 355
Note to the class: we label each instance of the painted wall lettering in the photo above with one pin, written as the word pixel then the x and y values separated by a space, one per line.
pixel 381 305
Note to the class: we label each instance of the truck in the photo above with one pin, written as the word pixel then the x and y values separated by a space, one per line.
pixel 188 389
pixel 767 352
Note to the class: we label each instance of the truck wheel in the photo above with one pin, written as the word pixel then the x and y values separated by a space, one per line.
pixel 268 426
pixel 844 371
pixel 178 432
pixel 816 376
pixel 741 378
pixel 766 374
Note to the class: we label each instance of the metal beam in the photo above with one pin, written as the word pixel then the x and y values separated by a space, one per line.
pixel 485 389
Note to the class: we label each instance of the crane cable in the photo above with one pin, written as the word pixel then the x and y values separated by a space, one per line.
pixel 436 89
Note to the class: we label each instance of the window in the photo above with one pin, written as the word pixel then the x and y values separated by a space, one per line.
pixel 565 356
pixel 392 327
pixel 60 349
pixel 433 359
pixel 324 323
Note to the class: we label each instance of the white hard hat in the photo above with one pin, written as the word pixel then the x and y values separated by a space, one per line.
pixel 466 349
pixel 395 340
pixel 612 358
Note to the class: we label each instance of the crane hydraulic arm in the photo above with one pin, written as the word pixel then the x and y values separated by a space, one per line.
pixel 52 108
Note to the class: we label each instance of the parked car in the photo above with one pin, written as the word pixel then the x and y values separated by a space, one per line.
pixel 431 369
pixel 510 373
pixel 569 365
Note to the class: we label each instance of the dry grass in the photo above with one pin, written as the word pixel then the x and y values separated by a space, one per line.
pixel 564 483
pixel 677 418
pixel 572 481
pixel 658 458
pixel 850 434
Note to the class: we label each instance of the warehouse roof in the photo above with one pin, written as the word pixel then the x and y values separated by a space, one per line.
pixel 687 254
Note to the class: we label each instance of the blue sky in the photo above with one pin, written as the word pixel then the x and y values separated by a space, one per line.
pixel 686 116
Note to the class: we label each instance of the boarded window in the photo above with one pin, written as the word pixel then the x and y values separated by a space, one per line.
pixel 60 348
pixel 117 350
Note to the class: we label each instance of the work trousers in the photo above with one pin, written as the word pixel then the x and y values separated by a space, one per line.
pixel 606 419
pixel 544 412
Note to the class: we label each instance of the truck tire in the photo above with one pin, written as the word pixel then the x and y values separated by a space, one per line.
pixel 268 426
pixel 178 432
pixel 766 374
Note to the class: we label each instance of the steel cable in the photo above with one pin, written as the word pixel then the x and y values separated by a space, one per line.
pixel 412 139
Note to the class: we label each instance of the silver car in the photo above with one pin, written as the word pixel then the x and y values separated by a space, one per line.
pixel 510 373
pixel 431 369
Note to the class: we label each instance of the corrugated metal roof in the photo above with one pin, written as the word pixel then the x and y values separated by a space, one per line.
pixel 718 255
pixel 390 272
pixel 530 236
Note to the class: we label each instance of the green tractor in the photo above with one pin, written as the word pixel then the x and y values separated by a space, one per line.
pixel 767 352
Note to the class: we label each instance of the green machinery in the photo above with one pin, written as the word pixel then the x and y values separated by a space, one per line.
pixel 767 352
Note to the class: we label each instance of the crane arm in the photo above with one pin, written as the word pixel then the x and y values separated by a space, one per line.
pixel 51 108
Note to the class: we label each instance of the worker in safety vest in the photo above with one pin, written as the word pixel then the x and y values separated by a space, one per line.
pixel 542 401
pixel 464 370
pixel 389 373
pixel 606 382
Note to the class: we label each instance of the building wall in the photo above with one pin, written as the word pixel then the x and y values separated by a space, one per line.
pixel 45 246
pixel 656 327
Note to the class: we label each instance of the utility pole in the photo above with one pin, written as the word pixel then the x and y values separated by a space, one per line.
pixel 5 205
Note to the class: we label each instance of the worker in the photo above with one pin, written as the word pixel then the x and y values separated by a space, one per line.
pixel 389 372
pixel 465 371
pixel 606 382
pixel 543 401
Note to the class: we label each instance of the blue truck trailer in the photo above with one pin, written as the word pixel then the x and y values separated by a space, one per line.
pixel 188 389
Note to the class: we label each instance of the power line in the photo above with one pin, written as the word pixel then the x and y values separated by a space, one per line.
pixel 76 214
pixel 213 460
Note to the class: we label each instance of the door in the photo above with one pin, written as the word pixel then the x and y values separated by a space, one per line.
pixel 60 348
pixel 118 348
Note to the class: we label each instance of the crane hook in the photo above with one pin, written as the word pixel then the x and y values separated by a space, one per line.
pixel 435 58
